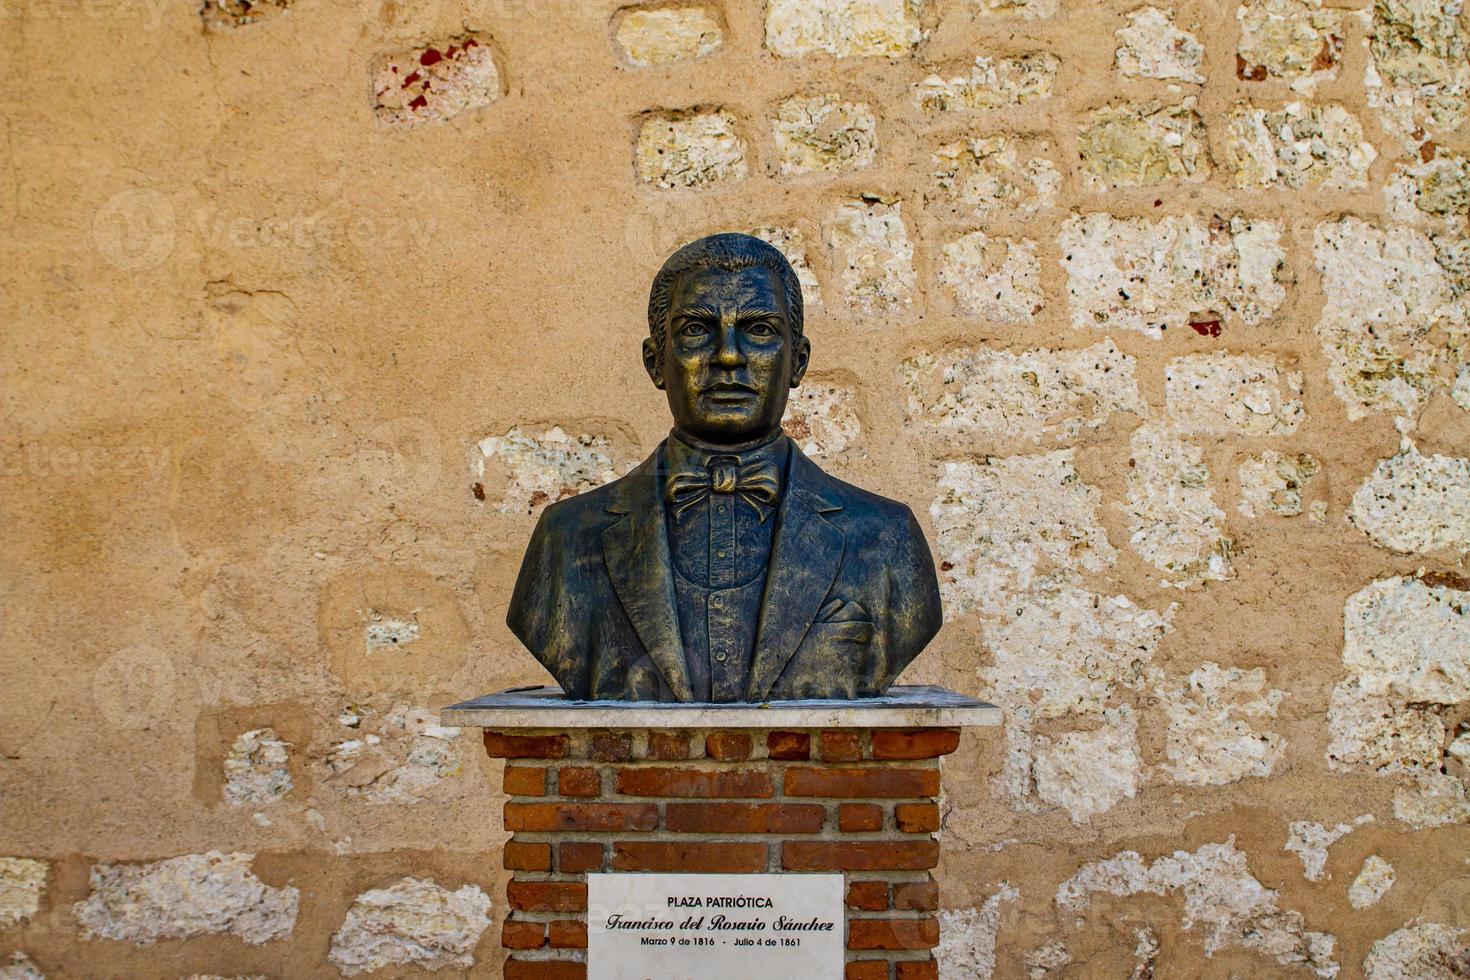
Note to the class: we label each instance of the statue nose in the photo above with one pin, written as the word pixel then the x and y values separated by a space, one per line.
pixel 730 351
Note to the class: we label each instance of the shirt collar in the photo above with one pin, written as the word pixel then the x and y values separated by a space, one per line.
pixel 683 451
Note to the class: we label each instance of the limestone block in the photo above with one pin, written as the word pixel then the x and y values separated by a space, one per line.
pixel 523 471
pixel 1215 726
pixel 415 923
pixel 1273 482
pixel 1299 145
pixel 1294 39
pixel 1150 46
pixel 227 14
pixel 22 882
pixel 995 176
pixel 1150 276
pixel 1372 883
pixel 992 83
pixel 821 416
pixel 843 28
pixel 186 896
pixel 1232 394
pixel 1090 772
pixel 1419 951
pixel 1144 144
pixel 690 150
pixel 792 243
pixel 257 769
pixel 1418 75
pixel 1024 395
pixel 873 253
pixel 1172 517
pixel 663 35
pixel 1416 504
pixel 435 82
pixel 993 278
pixel 823 133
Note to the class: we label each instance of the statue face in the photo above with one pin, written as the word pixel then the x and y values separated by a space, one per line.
pixel 728 359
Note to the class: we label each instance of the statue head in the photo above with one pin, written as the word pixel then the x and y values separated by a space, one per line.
pixel 725 337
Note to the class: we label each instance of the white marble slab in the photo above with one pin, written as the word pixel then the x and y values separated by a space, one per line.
pixel 904 706
pixel 674 926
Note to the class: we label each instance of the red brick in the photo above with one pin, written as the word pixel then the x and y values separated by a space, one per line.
pixel 868 896
pixel 580 816
pixel 668 746
pixel 924 743
pixel 842 746
pixel 577 857
pixel 853 817
pixel 744 818
pixel 727 746
pixel 877 781
pixel 813 855
pixel 702 783
pixel 893 933
pixel 866 970
pixel 544 970
pixel 917 818
pixel 522 935
pixel 717 858
pixel 918 970
pixel 525 780
pixel 916 896
pixel 547 896
pixel 611 747
pixel 568 934
pixel 503 746
pixel 521 856
pixel 789 746
pixel 578 781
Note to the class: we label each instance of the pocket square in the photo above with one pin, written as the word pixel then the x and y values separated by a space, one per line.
pixel 843 611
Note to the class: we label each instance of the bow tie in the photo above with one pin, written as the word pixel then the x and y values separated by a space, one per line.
pixel 757 483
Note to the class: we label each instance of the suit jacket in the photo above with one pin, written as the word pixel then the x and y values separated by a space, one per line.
pixel 850 598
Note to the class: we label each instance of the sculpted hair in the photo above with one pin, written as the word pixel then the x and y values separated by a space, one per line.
pixel 731 252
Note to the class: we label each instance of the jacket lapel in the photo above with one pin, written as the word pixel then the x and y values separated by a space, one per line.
pixel 805 557
pixel 636 550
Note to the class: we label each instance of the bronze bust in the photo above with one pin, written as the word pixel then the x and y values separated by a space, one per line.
pixel 727 566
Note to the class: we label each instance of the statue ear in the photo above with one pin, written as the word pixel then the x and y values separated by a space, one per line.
pixel 652 363
pixel 799 358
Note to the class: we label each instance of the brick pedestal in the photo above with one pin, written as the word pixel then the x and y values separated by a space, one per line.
pixel 858 800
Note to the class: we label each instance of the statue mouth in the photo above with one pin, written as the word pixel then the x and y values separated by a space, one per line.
pixel 729 391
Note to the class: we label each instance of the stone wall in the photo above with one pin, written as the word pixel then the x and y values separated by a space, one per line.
pixel 1155 313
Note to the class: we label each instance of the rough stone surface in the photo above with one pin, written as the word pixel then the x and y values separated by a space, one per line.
pixel 993 278
pixel 396 754
pixel 843 28
pixel 1232 394
pixel 1422 951
pixel 1295 39
pixel 690 150
pixel 435 82
pixel 823 133
pixel 1173 521
pixel 1026 395
pixel 1027 9
pixel 1418 76
pixel 967 937
pixel 21 967
pixel 415 923
pixel 22 882
pixel 1150 46
pixel 522 472
pixel 822 418
pixel 792 244
pixel 1416 504
pixel 991 83
pixel 1310 840
pixel 1372 883
pixel 1434 194
pixel 1299 145
pixel 1386 298
pixel 1089 772
pixel 994 176
pixel 874 255
pixel 182 897
pixel 257 769
pixel 228 14
pixel 1274 482
pixel 1220 894
pixel 1150 276
pixel 1215 726
pixel 662 35
pixel 1143 144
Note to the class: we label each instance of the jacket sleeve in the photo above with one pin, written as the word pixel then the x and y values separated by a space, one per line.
pixel 545 606
pixel 914 611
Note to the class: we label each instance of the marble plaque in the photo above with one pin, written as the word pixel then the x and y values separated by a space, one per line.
pixel 687 926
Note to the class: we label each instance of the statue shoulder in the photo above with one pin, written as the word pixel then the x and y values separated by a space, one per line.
pixel 860 508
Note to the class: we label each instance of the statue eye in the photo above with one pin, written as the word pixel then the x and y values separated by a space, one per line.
pixel 693 328
pixel 763 328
